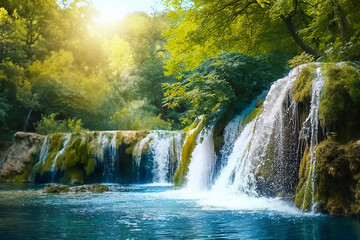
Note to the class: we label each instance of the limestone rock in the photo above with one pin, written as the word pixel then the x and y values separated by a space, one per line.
pixel 20 155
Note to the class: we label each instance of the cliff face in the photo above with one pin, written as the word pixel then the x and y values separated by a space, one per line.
pixel 88 157
pixel 20 157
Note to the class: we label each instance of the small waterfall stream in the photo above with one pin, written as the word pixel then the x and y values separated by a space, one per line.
pixel 53 166
pixel 202 161
pixel 313 121
pixel 163 149
pixel 44 152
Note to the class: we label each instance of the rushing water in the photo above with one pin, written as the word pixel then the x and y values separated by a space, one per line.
pixel 312 118
pixel 157 212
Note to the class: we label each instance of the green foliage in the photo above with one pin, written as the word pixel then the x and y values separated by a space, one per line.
pixel 54 59
pixel 303 85
pixel 229 78
pixel 203 29
pixel 12 36
pixel 301 59
pixel 136 117
pixel 4 107
pixel 49 124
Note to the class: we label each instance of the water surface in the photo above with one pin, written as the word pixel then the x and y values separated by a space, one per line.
pixel 158 212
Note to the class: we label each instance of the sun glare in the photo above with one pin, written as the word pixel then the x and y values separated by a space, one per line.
pixel 107 16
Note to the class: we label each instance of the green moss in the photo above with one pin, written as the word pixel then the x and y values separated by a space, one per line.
pixel 303 196
pixel 303 84
pixel 340 101
pixel 71 158
pixel 74 176
pixel 98 188
pixel 303 162
pixel 56 189
pixel 90 167
pixel 55 146
pixel 334 182
pixel 188 148
pixel 119 139
pixel 129 150
pixel 24 177
pixel 257 110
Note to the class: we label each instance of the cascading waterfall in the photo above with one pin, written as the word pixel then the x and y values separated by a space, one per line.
pixel 163 148
pixel 202 161
pixel 312 120
pixel 44 152
pixel 53 166
pixel 263 156
pixel 251 147
pixel 232 132
pixel 111 156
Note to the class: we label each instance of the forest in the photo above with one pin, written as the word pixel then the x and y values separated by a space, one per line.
pixel 61 72
pixel 200 119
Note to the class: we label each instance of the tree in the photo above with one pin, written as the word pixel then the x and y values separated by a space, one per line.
pixel 229 78
pixel 12 35
pixel 206 28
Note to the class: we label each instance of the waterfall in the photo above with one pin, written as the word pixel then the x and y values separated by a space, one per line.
pixel 233 130
pixel 163 150
pixel 252 146
pixel 53 166
pixel 202 161
pixel 44 152
pixel 109 156
pixel 312 120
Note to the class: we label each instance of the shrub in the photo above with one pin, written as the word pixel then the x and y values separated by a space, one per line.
pixel 49 124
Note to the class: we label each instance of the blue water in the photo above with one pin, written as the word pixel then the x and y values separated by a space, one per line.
pixel 157 212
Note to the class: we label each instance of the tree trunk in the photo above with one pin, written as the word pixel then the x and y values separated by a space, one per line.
pixel 297 39
pixel 342 22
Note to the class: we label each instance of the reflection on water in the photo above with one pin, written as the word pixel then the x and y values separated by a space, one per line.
pixel 157 212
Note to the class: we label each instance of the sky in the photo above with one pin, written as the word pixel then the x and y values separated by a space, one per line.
pixel 112 10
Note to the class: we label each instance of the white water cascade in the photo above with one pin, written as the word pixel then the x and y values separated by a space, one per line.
pixel 312 120
pixel 164 150
pixel 202 161
pixel 251 146
pixel 44 152
pixel 53 166
pixel 107 155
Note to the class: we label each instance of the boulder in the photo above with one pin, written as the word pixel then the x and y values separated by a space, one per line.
pixel 21 155
pixel 50 188
pixel 93 188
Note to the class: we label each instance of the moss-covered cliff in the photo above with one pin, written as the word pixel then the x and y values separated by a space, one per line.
pixel 84 157
pixel 333 188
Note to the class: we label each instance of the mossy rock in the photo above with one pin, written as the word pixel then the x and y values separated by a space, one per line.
pixel 303 86
pixel 335 180
pixel 98 188
pixel 50 188
pixel 57 140
pixel 188 148
pixel 340 103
